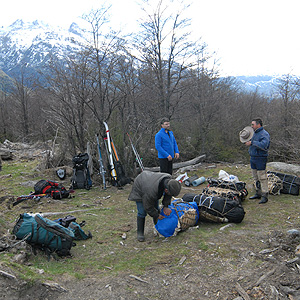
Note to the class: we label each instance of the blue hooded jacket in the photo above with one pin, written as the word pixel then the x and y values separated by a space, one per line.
pixel 260 143
pixel 165 144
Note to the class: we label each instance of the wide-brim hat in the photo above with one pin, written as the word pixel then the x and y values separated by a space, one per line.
pixel 246 134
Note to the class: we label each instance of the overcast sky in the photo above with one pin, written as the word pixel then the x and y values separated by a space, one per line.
pixel 250 37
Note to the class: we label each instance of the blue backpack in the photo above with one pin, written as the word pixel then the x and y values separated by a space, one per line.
pixel 44 234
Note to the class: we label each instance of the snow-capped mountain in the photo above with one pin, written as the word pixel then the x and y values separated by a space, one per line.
pixel 32 43
pixel 261 84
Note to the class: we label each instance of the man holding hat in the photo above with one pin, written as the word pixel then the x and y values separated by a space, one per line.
pixel 147 189
pixel 258 140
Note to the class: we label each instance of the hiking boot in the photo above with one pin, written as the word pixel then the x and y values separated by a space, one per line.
pixel 264 199
pixel 140 229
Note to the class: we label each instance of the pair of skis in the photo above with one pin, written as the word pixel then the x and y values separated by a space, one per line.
pixel 112 153
pixel 109 146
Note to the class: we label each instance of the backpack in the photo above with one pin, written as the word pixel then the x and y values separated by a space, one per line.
pixel 78 231
pixel 122 179
pixel 81 178
pixel 44 234
pixel 69 222
pixel 53 189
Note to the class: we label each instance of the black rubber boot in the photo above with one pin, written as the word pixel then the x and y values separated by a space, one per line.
pixel 264 198
pixel 140 229
pixel 258 191
pixel 256 196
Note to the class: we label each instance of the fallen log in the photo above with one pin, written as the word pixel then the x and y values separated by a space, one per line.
pixel 46 214
pixel 180 164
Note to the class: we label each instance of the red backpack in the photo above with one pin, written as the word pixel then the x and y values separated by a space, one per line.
pixel 54 189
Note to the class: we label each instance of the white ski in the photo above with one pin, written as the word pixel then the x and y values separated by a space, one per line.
pixel 109 154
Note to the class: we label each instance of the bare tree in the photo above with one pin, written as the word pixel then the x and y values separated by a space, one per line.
pixel 70 90
pixel 21 96
pixel 166 51
pixel 287 124
pixel 105 51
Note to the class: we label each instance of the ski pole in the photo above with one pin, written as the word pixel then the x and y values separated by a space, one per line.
pixel 101 166
pixel 138 158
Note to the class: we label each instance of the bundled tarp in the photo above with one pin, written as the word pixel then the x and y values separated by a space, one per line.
pixel 214 191
pixel 290 183
pixel 183 215
pixel 217 209
pixel 236 189
pixel 274 184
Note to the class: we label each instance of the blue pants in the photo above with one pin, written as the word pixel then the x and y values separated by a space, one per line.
pixel 140 209
pixel 258 163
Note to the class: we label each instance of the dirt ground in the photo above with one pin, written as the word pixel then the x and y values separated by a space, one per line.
pixel 257 261
pixel 204 276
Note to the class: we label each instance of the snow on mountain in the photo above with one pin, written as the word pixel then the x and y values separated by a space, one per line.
pixel 32 42
pixel 261 84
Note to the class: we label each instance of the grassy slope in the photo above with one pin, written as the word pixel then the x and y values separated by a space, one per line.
pixel 108 254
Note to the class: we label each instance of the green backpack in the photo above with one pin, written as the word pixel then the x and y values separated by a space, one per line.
pixel 44 234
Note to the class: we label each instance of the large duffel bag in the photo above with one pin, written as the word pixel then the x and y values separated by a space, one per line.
pixel 290 183
pixel 217 209
pixel 44 234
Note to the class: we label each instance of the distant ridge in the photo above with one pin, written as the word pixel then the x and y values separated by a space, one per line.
pixel 261 84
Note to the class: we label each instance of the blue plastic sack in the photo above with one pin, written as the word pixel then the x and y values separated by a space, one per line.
pixel 167 226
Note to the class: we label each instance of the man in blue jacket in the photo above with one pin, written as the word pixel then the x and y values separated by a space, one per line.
pixel 166 146
pixel 258 150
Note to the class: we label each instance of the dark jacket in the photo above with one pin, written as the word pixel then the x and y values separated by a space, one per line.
pixel 146 189
pixel 260 143
pixel 165 144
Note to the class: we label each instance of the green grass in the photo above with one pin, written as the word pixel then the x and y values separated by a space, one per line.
pixel 109 218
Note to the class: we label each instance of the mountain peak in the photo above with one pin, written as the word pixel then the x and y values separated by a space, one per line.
pixel 24 25
pixel 34 41
pixel 76 29
pixel 17 24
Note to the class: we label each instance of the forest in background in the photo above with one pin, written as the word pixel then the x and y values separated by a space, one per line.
pixel 131 83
